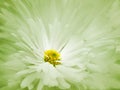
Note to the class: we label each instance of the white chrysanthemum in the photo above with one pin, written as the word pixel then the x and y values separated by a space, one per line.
pixel 64 44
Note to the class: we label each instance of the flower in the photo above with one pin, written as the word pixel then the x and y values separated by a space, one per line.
pixel 59 44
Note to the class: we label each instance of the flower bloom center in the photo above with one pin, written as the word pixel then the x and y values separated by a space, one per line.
pixel 52 56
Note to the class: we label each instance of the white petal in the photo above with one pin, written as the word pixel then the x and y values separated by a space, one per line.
pixel 28 80
pixel 63 84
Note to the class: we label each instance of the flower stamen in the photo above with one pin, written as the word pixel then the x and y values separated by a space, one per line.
pixel 52 56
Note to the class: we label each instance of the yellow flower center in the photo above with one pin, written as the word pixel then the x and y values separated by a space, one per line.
pixel 52 56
